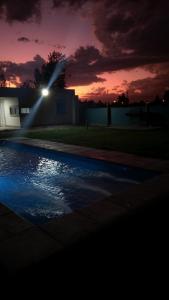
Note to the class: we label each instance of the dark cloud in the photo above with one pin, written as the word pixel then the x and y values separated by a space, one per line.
pixel 23 39
pixel 138 90
pixel 25 71
pixel 133 30
pixel 72 3
pixel 148 88
pixel 77 79
pixel 19 10
pixel 87 65
pixel 133 34
pixel 37 41
pixel 130 25
pixel 82 69
pixel 127 29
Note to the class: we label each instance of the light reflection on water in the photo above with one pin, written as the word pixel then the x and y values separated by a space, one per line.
pixel 40 188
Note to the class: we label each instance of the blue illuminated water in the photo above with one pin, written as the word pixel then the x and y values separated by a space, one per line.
pixel 40 184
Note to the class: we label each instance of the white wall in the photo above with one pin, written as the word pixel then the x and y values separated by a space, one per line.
pixel 2 115
pixel 10 120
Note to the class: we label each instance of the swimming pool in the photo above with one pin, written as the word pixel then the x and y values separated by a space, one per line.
pixel 39 184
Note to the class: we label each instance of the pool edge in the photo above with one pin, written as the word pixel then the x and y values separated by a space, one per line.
pixel 54 236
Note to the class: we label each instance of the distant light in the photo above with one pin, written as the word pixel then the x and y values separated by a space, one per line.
pixel 45 92
pixel 163 100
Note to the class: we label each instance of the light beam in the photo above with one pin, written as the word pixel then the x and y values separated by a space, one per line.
pixel 29 119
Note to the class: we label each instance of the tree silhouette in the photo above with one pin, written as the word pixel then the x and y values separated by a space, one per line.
pixel 38 77
pixel 166 96
pixel 157 99
pixel 43 77
pixel 123 99
pixel 28 84
pixel 2 80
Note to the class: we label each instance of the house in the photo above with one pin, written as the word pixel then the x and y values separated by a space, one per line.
pixel 59 107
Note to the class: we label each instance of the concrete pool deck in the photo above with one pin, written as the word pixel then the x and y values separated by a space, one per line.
pixel 23 244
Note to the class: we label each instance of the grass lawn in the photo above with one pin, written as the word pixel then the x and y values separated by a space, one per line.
pixel 150 143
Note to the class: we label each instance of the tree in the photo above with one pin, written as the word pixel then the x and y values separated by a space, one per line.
pixel 28 84
pixel 123 99
pixel 157 99
pixel 166 96
pixel 2 80
pixel 43 77
pixel 38 77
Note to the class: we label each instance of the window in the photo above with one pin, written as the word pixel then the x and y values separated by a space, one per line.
pixel 14 111
pixel 25 110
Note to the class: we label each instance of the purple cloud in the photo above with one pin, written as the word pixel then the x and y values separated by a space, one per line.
pixel 23 39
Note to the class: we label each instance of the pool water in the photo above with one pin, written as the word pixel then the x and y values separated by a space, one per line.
pixel 40 184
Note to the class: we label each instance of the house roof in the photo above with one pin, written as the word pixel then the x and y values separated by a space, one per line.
pixel 22 92
pixel 16 92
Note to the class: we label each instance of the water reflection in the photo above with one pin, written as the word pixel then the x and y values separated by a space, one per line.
pixel 40 188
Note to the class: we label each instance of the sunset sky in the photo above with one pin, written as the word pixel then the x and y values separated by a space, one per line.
pixel 113 45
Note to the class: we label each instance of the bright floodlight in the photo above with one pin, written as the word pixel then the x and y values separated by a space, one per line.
pixel 45 92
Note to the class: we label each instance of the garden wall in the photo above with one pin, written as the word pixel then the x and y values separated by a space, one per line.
pixel 129 115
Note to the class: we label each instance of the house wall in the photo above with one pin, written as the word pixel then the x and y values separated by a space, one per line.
pixel 6 118
pixel 2 115
pixel 58 108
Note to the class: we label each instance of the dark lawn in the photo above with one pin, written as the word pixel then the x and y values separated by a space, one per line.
pixel 150 143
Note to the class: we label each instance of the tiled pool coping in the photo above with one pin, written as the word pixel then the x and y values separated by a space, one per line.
pixel 23 244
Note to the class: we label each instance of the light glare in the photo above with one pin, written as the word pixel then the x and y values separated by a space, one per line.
pixel 45 92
